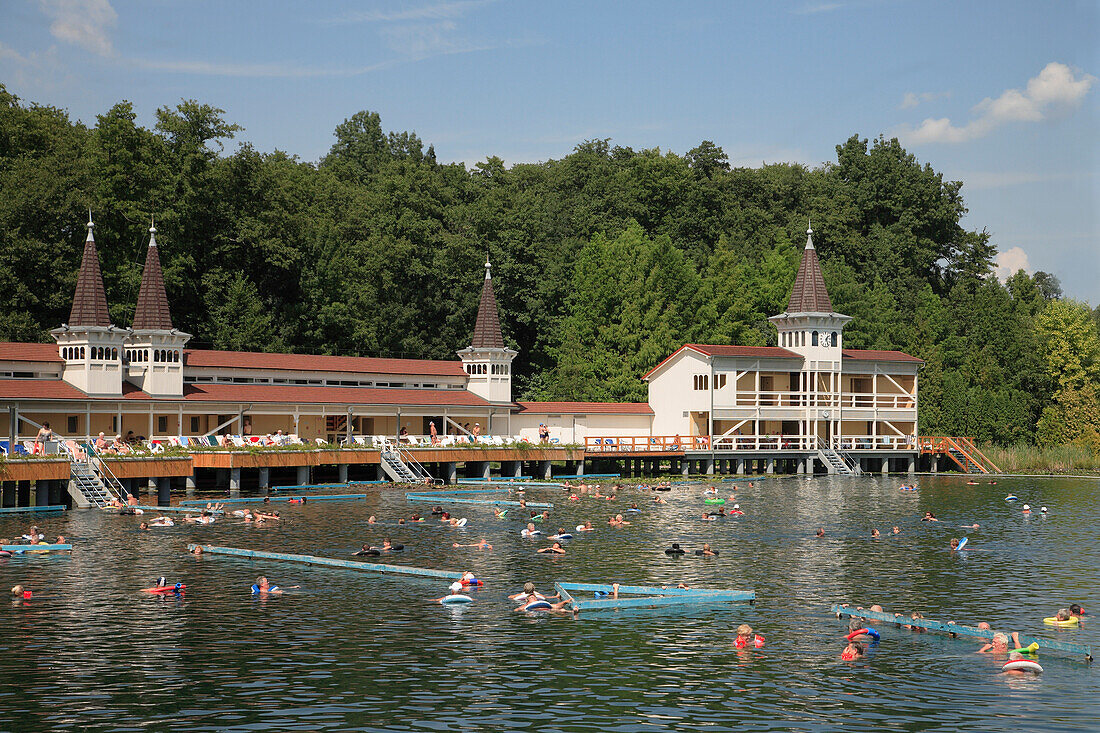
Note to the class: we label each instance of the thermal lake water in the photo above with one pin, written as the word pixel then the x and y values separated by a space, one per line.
pixel 357 651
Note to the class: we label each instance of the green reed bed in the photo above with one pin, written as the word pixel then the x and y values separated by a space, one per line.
pixel 1062 459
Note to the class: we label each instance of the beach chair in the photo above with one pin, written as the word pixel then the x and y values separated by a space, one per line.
pixel 484 440
pixel 519 439
pixel 320 441
pixel 497 440
pixel 175 442
pixel 237 440
pixel 447 441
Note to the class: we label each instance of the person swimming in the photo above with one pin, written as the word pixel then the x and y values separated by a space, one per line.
pixel 820 532
pixel 854 651
pixel 929 517
pixel 999 643
pixel 746 638
pixel 482 545
pixel 555 549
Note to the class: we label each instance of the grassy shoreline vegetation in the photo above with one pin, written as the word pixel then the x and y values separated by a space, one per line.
pixel 605 260
pixel 1044 460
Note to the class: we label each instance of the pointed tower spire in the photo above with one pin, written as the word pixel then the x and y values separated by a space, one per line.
pixel 90 299
pixel 151 313
pixel 487 327
pixel 809 294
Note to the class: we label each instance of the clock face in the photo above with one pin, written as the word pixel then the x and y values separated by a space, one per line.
pixel 827 339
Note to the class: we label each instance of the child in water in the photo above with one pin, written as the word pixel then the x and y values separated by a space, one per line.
pixel 745 638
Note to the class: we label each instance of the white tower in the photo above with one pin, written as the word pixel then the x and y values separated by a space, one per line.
pixel 488 362
pixel 90 345
pixel 154 353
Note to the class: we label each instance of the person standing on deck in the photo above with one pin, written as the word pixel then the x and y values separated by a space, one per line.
pixel 432 432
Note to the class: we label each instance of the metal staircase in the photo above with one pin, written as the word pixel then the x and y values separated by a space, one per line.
pixel 401 467
pixel 91 483
pixel 837 462
pixel 86 488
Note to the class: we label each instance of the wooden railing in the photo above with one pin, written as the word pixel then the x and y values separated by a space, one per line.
pixel 964 445
pixel 669 443
pixel 887 400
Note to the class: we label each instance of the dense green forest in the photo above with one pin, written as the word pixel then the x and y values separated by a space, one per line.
pixel 604 261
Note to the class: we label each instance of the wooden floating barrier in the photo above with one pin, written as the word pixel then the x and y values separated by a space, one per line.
pixel 329 562
pixel 303 487
pixel 457 492
pixel 485 502
pixel 28 509
pixel 942 627
pixel 273 499
pixel 504 485
pixel 31 549
pixel 648 596
pixel 575 477
pixel 188 510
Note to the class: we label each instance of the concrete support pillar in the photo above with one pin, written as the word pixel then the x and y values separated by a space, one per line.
pixel 57 492
pixel 769 465
pixel 685 467
pixel 164 490
pixel 42 492
pixel 740 466
pixel 234 482
pixel 912 464
pixel 303 475
pixel 708 466
pixel 342 473
pixel 934 463
pixel 885 465
pixel 485 469
pixel 450 473
pixel 189 482
pixel 264 478
pixel 221 477
pixel 151 485
pixel 545 470
pixel 7 494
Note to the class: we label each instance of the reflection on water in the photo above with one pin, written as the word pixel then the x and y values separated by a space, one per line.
pixel 355 650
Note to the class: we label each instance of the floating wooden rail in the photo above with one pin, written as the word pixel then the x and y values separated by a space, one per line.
pixel 443 499
pixel 33 549
pixel 1066 647
pixel 648 596
pixel 457 492
pixel 304 487
pixel 188 510
pixel 330 562
pixel 274 499
pixel 505 484
pixel 26 509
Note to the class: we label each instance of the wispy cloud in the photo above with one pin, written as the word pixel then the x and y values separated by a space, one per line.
pixel 276 70
pixel 1055 89
pixel 438 11
pixel 1009 262
pixel 7 53
pixel 815 8
pixel 432 39
pixel 912 99
pixel 85 23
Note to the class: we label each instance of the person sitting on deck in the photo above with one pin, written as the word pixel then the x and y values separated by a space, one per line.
pixel 999 643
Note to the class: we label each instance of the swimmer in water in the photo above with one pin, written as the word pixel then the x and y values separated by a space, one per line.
pixel 707 552
pixel 659 500
pixel 483 545
pixel 820 532
pixel 555 549
pixel 143 527
pixel 999 643
pixel 745 638
pixel 263 587
pixel 855 651
pixel 586 527
pixel 529 589
pixel 1076 610
pixel 499 513
pixel 874 533
pixel 371 519
pixel 617 521
pixel 559 607
pixel 196 550
pixel 929 517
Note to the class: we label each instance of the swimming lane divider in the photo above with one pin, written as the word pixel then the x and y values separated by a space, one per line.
pixel 31 549
pixel 348 485
pixel 189 510
pixel 587 475
pixel 1066 647
pixel 504 484
pixel 484 502
pixel 648 596
pixel 329 562
pixel 456 492
pixel 28 509
pixel 273 499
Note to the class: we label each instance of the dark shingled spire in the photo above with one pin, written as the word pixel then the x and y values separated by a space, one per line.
pixel 487 328
pixel 809 294
pixel 90 300
pixel 152 312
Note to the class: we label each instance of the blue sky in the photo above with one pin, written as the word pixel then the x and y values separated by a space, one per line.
pixel 1000 95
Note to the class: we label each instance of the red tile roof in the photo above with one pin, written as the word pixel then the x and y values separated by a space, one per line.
pixel 311 363
pixel 297 394
pixel 39 389
pixel 588 408
pixel 13 351
pixel 773 352
pixel 874 355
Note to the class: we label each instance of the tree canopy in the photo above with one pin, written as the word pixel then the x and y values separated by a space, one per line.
pixel 605 260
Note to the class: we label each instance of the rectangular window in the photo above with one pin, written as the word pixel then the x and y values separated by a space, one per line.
pixel 72 424
pixel 162 424
pixel 114 423
pixel 195 425
pixel 719 381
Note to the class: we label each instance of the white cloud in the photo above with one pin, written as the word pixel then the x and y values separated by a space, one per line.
pixel 82 22
pixel 1055 89
pixel 7 53
pixel 912 99
pixel 438 11
pixel 815 8
pixel 1009 262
